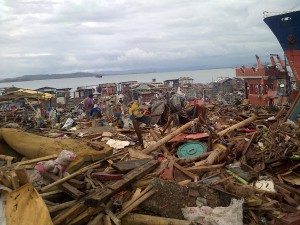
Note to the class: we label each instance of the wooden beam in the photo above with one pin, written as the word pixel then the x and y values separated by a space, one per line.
pixel 67 188
pixel 64 205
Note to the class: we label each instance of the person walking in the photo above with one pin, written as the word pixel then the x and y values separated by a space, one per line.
pixel 88 105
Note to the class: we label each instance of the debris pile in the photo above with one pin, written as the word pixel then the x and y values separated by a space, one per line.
pixel 213 164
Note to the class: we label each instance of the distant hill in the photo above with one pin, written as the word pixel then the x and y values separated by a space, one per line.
pixel 103 73
pixel 48 77
pixel 70 75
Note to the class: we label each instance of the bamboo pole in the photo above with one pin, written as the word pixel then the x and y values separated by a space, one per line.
pixel 169 137
pixel 238 125
pixel 31 161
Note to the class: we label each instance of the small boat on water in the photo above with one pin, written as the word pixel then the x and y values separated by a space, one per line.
pixel 99 76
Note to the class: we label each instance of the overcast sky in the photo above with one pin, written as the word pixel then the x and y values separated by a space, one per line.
pixel 58 36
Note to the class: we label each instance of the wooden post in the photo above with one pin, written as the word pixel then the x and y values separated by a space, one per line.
pixel 169 136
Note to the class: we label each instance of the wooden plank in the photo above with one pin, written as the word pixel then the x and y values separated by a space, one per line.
pixel 136 154
pixel 133 175
pixel 76 183
pixel 113 217
pixel 85 216
pixel 97 220
pixel 50 193
pixel 64 205
pixel 67 188
pixel 205 168
pixel 101 194
pixel 107 220
pixel 144 196
pixel 125 166
pixel 195 177
pixel 69 214
pixel 133 198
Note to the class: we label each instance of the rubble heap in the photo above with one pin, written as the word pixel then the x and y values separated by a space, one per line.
pixel 212 165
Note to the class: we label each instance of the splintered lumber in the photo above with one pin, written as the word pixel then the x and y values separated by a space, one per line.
pixel 195 177
pixel 97 220
pixel 96 197
pixel 103 194
pixel 83 170
pixel 136 154
pixel 208 127
pixel 50 193
pixel 143 197
pixel 138 219
pixel 69 214
pixel 113 217
pixel 125 166
pixel 155 137
pixel 134 197
pixel 205 168
pixel 67 188
pixel 85 216
pixel 238 125
pixel 107 220
pixel 169 137
pixel 64 205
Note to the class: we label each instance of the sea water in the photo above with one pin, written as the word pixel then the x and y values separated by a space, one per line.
pixel 199 76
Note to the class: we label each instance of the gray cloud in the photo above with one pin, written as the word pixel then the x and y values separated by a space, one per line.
pixel 93 35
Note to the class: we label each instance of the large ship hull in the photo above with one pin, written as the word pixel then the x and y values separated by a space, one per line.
pixel 286 28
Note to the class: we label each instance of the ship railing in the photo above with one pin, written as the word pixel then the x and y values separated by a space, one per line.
pixel 268 14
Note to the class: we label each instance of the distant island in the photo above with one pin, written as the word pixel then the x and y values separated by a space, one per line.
pixel 69 75
pixel 98 74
